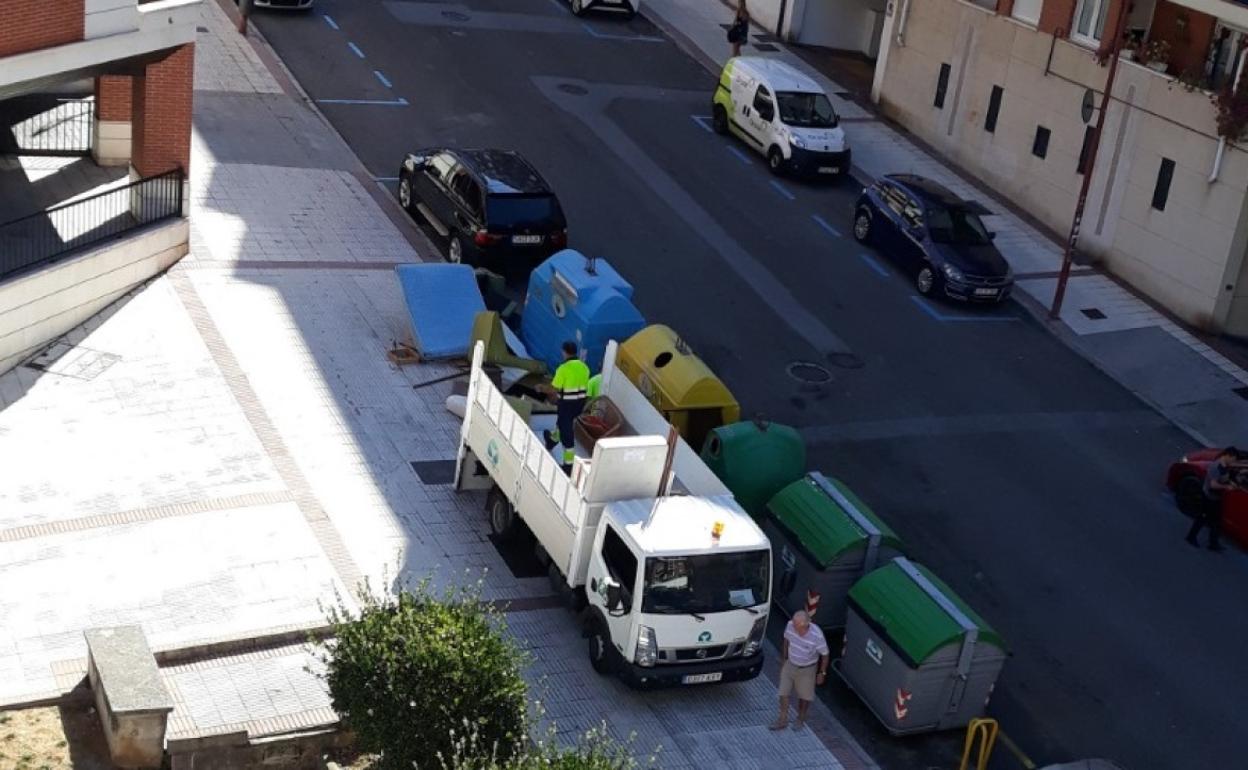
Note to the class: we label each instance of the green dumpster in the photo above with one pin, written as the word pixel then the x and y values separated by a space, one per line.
pixel 915 653
pixel 755 460
pixel 823 539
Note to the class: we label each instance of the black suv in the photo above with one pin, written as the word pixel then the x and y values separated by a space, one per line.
pixel 492 206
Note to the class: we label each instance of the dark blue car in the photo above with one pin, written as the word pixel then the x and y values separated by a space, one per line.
pixel 935 236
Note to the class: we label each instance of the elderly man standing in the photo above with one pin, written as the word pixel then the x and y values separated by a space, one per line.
pixel 805 656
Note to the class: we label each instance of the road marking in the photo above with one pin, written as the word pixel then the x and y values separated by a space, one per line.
pixel 824 224
pixel 873 263
pixel 382 78
pixel 329 21
pixel 400 102
pixel 782 190
pixel 355 49
pixel 704 121
pixel 740 155
pixel 626 38
pixel 926 306
pixel 385 179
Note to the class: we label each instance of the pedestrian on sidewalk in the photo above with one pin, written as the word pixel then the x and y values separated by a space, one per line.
pixel 569 386
pixel 1217 482
pixel 805 664
pixel 740 29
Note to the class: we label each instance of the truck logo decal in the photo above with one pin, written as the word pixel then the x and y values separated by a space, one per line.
pixel 705 636
pixel 491 452
pixel 874 652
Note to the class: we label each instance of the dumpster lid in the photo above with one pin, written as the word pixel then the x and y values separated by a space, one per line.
pixel 826 527
pixel 897 605
pixel 675 370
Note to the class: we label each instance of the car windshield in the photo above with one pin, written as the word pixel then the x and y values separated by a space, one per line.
pixel 806 109
pixel 517 210
pixel 718 582
pixel 953 225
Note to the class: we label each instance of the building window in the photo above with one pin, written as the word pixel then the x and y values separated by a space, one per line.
pixel 994 109
pixel 1162 191
pixel 1090 20
pixel 942 85
pixel 1027 11
pixel 1040 145
pixel 1086 150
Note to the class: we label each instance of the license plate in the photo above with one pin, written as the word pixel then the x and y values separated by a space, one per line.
pixel 829 169
pixel 702 678
pixel 526 239
pixel 985 292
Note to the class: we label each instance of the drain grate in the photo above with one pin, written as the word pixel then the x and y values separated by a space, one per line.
pixel 68 360
pixel 805 371
pixel 1094 313
pixel 455 16
pixel 573 88
pixel 435 472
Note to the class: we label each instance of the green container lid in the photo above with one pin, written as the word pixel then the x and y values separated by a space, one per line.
pixel 821 525
pixel 897 606
pixel 755 460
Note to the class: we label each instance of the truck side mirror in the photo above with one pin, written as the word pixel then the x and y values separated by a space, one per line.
pixel 615 597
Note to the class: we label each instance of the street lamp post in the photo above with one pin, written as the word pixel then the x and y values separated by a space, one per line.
pixel 1120 26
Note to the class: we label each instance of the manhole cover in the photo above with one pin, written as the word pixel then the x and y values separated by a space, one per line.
pixel 845 360
pixel 573 88
pixel 455 16
pixel 805 371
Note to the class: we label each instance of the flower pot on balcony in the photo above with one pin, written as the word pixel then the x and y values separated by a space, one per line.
pixel 1158 66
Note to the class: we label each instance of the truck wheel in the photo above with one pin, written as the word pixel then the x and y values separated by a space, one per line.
pixel 599 648
pixel 502 515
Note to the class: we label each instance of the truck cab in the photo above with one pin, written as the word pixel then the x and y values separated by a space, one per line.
pixel 663 611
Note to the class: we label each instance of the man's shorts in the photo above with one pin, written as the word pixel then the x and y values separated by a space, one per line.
pixel 800 679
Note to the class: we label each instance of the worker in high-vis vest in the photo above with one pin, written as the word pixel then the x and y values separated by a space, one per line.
pixel 570 385
pixel 595 386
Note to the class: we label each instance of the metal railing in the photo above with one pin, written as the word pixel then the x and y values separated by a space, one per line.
pixel 43 125
pixel 46 235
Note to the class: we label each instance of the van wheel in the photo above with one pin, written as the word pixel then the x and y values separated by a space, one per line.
pixel 502 515
pixel 775 161
pixel 599 648
pixel 719 119
pixel 862 225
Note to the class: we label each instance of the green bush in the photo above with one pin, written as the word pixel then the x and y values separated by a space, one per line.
pixel 594 751
pixel 410 673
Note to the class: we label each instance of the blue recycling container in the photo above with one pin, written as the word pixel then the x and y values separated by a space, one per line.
pixel 574 298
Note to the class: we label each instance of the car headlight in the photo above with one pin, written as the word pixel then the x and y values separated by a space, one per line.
pixel 755 639
pixel 796 140
pixel 647 647
pixel 951 272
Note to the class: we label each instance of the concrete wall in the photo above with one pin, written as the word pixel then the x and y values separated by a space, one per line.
pixel 843 24
pixel 38 307
pixel 1181 256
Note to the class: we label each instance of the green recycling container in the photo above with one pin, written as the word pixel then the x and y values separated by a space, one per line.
pixel 915 653
pixel 755 460
pixel 823 539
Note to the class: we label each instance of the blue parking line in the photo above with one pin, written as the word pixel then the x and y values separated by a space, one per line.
pixel 824 224
pixel 873 263
pixel 627 38
pixel 782 190
pixel 703 121
pixel 382 78
pixel 400 102
pixel 329 21
pixel 740 155
pixel 926 305
pixel 355 49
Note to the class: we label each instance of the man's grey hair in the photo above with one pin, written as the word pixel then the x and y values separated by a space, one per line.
pixel 801 617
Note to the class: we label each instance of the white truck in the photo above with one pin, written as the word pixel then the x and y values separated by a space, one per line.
pixel 671 577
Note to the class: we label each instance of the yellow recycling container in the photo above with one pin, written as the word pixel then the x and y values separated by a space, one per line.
pixel 677 382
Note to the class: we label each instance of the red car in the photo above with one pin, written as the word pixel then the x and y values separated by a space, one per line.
pixel 1186 480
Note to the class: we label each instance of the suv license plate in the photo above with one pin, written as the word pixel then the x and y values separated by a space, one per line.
pixel 702 678
pixel 526 239
pixel 829 169
pixel 985 292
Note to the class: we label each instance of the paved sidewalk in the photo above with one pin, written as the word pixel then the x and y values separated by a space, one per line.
pixel 1150 354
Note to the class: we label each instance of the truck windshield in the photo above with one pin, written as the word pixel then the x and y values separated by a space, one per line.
pixel 717 582
pixel 804 109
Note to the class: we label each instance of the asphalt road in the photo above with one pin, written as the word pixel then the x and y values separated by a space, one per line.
pixel 1024 477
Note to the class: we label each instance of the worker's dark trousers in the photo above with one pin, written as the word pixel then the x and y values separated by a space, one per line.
pixel 1211 517
pixel 568 410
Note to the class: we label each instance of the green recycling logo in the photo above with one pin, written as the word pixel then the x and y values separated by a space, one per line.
pixel 705 636
pixel 491 452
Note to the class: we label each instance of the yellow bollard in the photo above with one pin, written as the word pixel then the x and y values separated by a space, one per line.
pixel 985 732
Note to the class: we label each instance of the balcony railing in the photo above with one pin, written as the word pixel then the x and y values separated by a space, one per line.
pixel 43 237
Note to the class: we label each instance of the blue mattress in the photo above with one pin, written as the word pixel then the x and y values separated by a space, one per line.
pixel 442 301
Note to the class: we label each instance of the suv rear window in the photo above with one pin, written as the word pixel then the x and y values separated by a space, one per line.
pixel 517 210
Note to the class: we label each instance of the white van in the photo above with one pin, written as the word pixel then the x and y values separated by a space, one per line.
pixel 783 114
